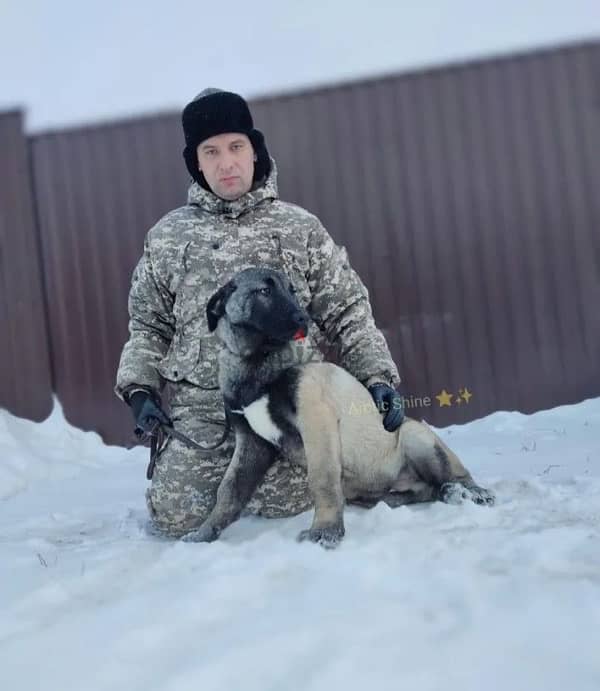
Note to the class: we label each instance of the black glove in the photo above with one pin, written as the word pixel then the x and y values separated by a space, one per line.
pixel 147 413
pixel 390 402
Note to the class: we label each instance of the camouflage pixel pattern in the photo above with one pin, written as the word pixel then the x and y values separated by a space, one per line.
pixel 185 482
pixel 194 250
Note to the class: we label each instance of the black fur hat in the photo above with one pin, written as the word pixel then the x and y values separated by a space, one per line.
pixel 215 112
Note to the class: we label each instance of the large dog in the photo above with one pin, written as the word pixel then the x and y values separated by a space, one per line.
pixel 315 413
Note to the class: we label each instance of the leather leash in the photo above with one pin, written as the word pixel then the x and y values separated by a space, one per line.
pixel 160 434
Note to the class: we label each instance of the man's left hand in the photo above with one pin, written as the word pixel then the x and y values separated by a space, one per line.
pixel 389 402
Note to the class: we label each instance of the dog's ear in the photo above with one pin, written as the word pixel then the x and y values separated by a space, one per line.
pixel 215 307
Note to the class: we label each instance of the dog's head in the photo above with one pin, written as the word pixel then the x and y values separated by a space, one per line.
pixel 256 308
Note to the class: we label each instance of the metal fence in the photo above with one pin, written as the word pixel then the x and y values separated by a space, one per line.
pixel 466 196
pixel 25 365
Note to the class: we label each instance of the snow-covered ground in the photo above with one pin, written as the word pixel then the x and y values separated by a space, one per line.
pixel 423 597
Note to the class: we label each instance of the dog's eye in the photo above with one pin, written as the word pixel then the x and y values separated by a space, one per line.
pixel 264 291
pixel 293 291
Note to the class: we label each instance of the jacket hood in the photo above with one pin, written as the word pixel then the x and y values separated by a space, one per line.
pixel 208 201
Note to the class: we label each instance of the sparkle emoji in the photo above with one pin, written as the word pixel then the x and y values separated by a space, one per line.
pixel 465 394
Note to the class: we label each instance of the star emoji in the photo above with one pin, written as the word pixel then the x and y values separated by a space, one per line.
pixel 466 395
pixel 444 398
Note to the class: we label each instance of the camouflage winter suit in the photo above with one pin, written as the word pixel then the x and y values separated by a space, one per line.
pixel 188 255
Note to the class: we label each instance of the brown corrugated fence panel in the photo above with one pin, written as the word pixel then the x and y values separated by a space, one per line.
pixel 25 375
pixel 99 190
pixel 466 196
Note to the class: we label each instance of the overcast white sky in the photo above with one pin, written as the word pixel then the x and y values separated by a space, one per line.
pixel 84 61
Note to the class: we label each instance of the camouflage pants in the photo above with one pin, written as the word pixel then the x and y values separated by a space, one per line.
pixel 185 481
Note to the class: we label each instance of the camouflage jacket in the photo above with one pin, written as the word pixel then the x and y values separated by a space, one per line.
pixel 195 249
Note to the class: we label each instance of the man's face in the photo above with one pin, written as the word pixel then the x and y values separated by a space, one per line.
pixel 227 162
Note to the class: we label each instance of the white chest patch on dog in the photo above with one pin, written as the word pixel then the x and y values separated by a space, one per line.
pixel 259 418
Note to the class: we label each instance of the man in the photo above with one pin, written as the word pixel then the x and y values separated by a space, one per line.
pixel 233 220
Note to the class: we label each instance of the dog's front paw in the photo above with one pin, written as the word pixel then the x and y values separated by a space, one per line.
pixel 205 533
pixel 328 537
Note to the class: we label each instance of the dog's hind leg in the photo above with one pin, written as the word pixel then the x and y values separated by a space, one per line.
pixel 419 493
pixel 409 488
pixel 438 466
pixel 460 484
pixel 252 458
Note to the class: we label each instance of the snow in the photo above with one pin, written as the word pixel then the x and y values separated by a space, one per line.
pixel 423 597
pixel 70 63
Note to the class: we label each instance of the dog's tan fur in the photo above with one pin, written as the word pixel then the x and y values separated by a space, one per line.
pixel 349 454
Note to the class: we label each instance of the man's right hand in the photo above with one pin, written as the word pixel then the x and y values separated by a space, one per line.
pixel 147 413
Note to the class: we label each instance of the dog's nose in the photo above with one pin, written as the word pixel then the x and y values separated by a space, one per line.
pixel 300 319
pixel 299 324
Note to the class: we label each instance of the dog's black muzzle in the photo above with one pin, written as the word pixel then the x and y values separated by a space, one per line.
pixel 294 327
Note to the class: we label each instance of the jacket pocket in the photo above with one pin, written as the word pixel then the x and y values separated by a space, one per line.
pixel 191 355
pixel 187 356
pixel 183 355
